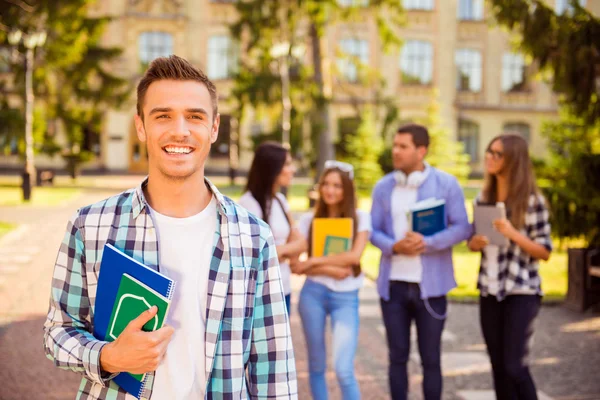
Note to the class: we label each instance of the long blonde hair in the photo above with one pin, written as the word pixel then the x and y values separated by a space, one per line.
pixel 520 177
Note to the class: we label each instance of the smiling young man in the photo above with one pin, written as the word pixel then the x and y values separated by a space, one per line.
pixel 415 272
pixel 227 333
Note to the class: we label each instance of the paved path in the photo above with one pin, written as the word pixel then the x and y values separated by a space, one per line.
pixel 565 356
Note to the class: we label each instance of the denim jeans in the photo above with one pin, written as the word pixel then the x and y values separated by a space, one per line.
pixel 315 303
pixel 404 305
pixel 507 328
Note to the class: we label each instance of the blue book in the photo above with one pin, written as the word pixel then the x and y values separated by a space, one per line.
pixel 427 217
pixel 114 265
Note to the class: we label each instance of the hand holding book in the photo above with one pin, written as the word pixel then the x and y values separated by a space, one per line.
pixel 136 351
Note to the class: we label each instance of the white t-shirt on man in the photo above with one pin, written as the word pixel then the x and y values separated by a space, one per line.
pixel 280 227
pixel 338 285
pixel 185 247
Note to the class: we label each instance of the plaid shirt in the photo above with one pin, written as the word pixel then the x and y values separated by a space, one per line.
pixel 248 340
pixel 518 272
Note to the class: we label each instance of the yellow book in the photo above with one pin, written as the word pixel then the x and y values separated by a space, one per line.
pixel 331 235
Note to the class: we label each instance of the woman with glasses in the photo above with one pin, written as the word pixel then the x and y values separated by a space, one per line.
pixel 509 280
pixel 272 169
pixel 332 284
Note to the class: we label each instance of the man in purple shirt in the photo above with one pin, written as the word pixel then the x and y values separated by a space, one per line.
pixel 415 272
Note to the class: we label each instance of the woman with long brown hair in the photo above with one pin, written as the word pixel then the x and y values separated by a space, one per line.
pixel 509 280
pixel 332 284
pixel 273 168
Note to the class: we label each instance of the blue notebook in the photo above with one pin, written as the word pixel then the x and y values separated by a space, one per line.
pixel 427 217
pixel 114 264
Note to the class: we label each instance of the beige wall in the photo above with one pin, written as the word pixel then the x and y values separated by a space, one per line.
pixel 193 21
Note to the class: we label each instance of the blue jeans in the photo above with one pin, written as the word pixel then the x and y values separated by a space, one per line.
pixel 404 305
pixel 316 302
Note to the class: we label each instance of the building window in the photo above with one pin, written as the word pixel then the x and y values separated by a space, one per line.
pixel 222 57
pixel 563 6
pixel 520 128
pixel 514 72
pixel 416 62
pixel 153 45
pixel 468 135
pixel 220 148
pixel 347 128
pixel 468 66
pixel 356 53
pixel 418 4
pixel 470 10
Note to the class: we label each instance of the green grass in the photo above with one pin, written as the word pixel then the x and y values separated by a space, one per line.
pixel 466 268
pixel 41 196
pixel 5 228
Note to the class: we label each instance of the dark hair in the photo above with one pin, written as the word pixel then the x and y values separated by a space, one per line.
pixel 269 159
pixel 521 178
pixel 419 133
pixel 173 68
pixel 348 207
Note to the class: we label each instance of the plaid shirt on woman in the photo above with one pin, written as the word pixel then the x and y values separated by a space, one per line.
pixel 518 272
pixel 248 344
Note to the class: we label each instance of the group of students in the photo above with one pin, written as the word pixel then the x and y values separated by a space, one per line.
pixel 227 332
pixel 416 272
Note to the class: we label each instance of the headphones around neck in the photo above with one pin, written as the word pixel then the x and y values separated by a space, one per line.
pixel 414 179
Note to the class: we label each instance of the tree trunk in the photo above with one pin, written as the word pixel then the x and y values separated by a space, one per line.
pixel 325 150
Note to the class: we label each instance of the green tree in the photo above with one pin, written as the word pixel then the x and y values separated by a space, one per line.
pixel 263 23
pixel 445 152
pixel 566 45
pixel 363 150
pixel 572 168
pixel 71 75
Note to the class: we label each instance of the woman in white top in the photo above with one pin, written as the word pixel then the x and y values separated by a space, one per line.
pixel 272 169
pixel 332 284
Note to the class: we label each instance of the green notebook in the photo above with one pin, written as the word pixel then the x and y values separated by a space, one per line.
pixel 336 245
pixel 133 298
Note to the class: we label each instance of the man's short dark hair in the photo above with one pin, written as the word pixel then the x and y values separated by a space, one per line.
pixel 419 133
pixel 173 68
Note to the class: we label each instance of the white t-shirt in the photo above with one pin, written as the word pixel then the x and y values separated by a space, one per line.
pixel 185 247
pixel 280 227
pixel 338 285
pixel 404 268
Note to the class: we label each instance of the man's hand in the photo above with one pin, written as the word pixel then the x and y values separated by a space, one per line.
pixel 136 351
pixel 477 242
pixel 413 244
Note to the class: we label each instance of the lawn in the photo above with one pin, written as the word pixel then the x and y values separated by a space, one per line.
pixel 41 196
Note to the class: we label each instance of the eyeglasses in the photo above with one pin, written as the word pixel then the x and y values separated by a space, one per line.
pixel 496 155
pixel 348 168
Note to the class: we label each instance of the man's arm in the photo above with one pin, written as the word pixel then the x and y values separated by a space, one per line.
pixel 458 229
pixel 271 368
pixel 379 238
pixel 68 340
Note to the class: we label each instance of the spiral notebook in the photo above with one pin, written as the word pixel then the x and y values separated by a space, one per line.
pixel 120 273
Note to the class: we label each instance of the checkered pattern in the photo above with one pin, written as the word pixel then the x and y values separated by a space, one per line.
pixel 518 272
pixel 248 340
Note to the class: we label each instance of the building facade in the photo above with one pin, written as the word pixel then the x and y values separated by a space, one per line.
pixel 452 52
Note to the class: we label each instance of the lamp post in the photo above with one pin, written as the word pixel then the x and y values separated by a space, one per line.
pixel 30 42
